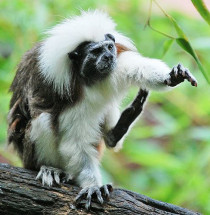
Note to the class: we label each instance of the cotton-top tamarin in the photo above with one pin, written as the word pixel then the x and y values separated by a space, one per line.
pixel 66 96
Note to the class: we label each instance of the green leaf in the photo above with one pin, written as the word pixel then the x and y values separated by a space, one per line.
pixel 166 46
pixel 188 48
pixel 202 9
pixel 179 31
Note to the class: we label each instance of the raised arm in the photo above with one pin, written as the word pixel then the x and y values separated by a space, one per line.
pixel 148 74
pixel 151 74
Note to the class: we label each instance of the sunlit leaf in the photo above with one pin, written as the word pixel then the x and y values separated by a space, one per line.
pixel 202 9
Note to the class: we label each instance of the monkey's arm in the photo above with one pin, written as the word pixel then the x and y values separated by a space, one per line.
pixel 151 74
pixel 128 116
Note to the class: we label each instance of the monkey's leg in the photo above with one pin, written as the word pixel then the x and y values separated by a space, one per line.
pixel 126 119
pixel 89 178
pixel 50 175
pixel 178 75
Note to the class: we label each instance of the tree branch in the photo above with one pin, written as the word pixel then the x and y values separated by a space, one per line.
pixel 21 194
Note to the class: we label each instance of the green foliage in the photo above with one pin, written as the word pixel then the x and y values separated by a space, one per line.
pixel 182 39
pixel 166 46
pixel 166 154
pixel 202 9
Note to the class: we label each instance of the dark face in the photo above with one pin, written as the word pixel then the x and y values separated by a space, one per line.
pixel 94 61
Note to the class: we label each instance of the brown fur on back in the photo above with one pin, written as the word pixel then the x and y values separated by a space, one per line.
pixel 32 95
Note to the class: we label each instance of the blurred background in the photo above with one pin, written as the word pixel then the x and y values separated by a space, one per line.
pixel 167 154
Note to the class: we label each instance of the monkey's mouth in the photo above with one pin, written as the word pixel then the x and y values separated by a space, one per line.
pixel 105 68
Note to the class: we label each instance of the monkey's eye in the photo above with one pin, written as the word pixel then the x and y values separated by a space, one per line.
pixel 97 50
pixel 110 47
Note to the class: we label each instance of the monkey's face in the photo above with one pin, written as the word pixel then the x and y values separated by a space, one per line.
pixel 94 61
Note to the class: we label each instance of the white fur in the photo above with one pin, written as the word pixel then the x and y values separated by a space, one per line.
pixel 82 133
pixel 66 36
pixel 74 149
pixel 141 71
pixel 46 147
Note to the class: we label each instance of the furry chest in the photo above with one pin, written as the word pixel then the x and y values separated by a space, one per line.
pixel 80 125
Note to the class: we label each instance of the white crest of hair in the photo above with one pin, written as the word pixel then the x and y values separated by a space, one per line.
pixel 65 37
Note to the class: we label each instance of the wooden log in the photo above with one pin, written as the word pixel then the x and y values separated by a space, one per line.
pixel 21 194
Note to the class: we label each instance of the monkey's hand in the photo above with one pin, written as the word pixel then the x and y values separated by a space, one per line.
pixel 178 75
pixel 96 191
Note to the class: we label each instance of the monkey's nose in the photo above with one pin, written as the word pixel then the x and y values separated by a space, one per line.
pixel 108 57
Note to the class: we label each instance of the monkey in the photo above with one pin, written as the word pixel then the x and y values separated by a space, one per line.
pixel 66 95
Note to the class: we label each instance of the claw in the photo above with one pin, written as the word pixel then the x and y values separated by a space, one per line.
pixel 68 177
pixel 190 78
pixel 57 177
pixel 183 73
pixel 88 193
pixel 79 196
pixel 181 69
pixel 107 189
pixel 99 197
pixel 179 66
pixel 48 175
pixel 176 70
pixel 89 197
pixel 39 175
pixel 194 84
pixel 44 176
pixel 49 178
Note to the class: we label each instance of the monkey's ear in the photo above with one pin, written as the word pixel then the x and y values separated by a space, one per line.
pixel 73 55
pixel 109 37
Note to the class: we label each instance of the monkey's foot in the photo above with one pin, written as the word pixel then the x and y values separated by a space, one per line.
pixel 178 75
pixel 88 193
pixel 49 175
